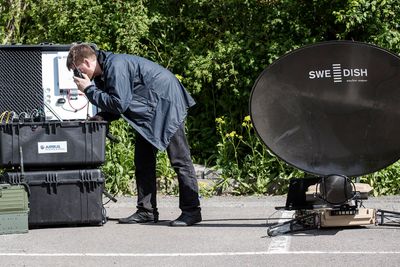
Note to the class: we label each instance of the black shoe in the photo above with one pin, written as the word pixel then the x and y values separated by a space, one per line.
pixel 186 219
pixel 140 217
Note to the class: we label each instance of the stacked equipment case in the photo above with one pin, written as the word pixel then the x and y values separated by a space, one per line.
pixel 46 144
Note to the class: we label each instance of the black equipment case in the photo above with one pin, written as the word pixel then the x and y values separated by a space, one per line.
pixel 65 197
pixel 39 145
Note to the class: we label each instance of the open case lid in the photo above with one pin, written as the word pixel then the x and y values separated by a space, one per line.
pixel 35 78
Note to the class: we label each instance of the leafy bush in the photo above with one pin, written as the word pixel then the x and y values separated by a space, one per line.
pixel 384 182
pixel 112 25
pixel 247 167
pixel 119 167
pixel 218 48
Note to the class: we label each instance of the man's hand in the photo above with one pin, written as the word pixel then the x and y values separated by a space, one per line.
pixel 104 116
pixel 82 83
pixel 96 117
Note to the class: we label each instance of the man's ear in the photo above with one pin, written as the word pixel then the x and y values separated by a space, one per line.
pixel 89 62
pixel 86 62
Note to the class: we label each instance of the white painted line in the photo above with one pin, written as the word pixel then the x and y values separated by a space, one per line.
pixel 281 243
pixel 205 254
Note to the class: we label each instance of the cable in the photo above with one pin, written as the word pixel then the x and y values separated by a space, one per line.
pixel 270 217
pixel 115 174
pixel 52 111
pixel 40 114
pixel 69 101
pixel 34 114
pixel 13 115
pixel 87 108
pixel 23 115
pixel 2 116
pixel 8 116
pixel 68 110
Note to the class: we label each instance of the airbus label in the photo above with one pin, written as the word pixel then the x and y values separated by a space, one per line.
pixel 52 147
pixel 339 74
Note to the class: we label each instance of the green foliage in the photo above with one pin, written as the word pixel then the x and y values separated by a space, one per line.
pixel 386 181
pixel 217 48
pixel 376 21
pixel 119 166
pixel 167 182
pixel 112 25
pixel 220 47
pixel 12 13
pixel 246 165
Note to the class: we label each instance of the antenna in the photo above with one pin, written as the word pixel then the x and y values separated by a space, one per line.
pixel 330 109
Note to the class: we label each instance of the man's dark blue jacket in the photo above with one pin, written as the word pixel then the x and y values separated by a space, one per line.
pixel 148 96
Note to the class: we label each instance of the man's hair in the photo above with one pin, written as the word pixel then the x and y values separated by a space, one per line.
pixel 77 53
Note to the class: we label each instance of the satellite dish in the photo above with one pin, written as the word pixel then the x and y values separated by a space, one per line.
pixel 331 108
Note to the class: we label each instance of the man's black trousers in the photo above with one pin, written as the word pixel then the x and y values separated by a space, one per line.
pixel 179 155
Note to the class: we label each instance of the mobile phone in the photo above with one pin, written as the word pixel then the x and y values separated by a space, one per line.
pixel 78 73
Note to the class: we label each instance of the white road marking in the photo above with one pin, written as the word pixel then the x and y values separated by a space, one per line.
pixel 281 243
pixel 205 254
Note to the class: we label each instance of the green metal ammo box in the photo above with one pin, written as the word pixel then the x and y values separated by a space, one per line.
pixel 13 209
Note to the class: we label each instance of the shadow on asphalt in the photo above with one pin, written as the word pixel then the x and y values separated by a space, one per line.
pixel 223 222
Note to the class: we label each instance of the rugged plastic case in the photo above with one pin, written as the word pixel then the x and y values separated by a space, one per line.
pixel 44 145
pixel 64 197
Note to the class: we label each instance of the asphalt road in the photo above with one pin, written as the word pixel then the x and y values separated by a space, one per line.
pixel 233 233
